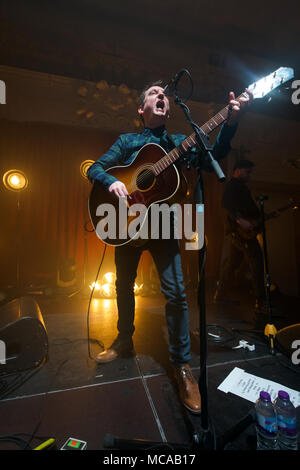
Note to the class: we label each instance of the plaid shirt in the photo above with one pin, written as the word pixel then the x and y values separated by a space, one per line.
pixel 124 150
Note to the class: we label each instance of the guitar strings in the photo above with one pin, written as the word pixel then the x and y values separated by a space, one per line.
pixel 190 141
pixel 150 172
pixel 142 177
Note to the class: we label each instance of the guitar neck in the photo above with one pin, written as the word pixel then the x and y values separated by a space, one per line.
pixel 281 209
pixel 191 141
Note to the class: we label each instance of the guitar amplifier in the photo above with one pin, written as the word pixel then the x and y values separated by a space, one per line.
pixel 23 336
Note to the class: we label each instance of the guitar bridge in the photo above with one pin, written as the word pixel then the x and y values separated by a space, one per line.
pixel 136 197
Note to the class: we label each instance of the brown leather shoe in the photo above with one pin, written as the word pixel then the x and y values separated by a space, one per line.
pixel 119 348
pixel 188 388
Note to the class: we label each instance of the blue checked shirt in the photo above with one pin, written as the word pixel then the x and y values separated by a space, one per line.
pixel 124 150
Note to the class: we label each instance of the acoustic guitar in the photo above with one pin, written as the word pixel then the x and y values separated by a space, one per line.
pixel 152 176
pixel 256 224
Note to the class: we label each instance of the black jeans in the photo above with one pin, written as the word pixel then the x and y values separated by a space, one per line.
pixel 166 256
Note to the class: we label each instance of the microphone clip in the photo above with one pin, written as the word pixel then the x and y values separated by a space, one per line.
pixel 172 85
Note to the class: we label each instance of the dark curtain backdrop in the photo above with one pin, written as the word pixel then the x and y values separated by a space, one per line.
pixel 53 209
pixel 213 224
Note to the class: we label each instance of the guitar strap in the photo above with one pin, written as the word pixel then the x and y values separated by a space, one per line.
pixel 171 145
pixel 167 139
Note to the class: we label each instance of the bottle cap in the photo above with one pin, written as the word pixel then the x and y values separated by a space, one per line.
pixel 283 395
pixel 265 396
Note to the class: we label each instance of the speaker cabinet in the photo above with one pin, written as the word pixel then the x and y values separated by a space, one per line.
pixel 23 336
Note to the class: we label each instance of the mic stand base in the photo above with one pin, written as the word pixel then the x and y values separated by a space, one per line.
pixel 204 440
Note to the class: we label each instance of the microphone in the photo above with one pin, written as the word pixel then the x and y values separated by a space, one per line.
pixel 171 86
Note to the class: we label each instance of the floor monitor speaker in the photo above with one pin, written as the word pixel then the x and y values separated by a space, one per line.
pixel 23 336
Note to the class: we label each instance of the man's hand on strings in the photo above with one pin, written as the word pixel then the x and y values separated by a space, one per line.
pixel 118 189
pixel 238 107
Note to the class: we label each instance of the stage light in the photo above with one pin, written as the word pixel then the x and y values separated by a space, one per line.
pixel 109 278
pixel 106 289
pixel 85 166
pixel 15 180
pixel 95 286
pixel 138 289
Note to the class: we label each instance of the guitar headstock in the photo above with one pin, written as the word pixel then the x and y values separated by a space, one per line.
pixel 265 85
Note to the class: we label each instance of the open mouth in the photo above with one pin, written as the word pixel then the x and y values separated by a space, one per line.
pixel 160 104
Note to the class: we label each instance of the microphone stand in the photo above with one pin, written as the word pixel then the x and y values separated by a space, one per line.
pixel 206 439
pixel 270 330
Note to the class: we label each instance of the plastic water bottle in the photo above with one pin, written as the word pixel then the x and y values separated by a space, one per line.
pixel 287 422
pixel 266 423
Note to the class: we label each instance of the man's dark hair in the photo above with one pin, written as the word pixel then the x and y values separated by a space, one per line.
pixel 143 93
pixel 243 164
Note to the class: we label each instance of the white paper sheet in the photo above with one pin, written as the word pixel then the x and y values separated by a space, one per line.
pixel 248 386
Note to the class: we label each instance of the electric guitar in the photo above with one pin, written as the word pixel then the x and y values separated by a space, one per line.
pixel 256 224
pixel 152 176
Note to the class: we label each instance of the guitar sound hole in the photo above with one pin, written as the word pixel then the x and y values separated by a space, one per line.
pixel 145 180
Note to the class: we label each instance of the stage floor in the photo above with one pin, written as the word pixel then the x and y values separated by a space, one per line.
pixel 70 395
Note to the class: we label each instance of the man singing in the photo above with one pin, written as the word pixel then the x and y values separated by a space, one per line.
pixel 154 110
